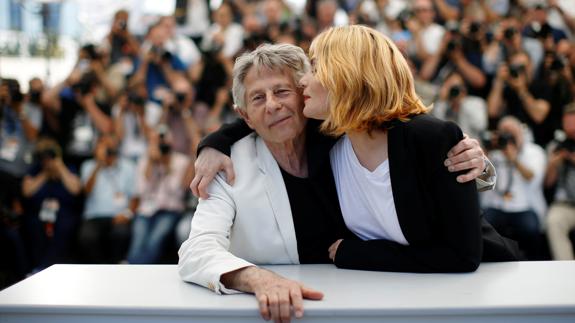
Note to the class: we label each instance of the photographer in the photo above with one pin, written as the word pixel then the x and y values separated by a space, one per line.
pixel 156 67
pixel 177 115
pixel 120 44
pixel 459 50
pixel 516 206
pixel 19 126
pixel 108 183
pixel 508 41
pixel 538 27
pixel 133 120
pixel 51 207
pixel 426 33
pixel 516 92
pixel 224 33
pixel 454 104
pixel 561 173
pixel 161 183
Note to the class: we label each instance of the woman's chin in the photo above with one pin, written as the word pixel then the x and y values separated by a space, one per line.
pixel 313 114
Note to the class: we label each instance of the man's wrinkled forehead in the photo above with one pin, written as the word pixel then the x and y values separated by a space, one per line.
pixel 263 72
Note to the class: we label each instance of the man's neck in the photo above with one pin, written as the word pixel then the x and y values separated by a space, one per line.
pixel 291 156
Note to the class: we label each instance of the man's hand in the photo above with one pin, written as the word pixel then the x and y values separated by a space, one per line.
pixel 276 295
pixel 207 165
pixel 466 155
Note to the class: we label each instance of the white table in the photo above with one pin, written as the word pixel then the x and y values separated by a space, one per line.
pixel 500 292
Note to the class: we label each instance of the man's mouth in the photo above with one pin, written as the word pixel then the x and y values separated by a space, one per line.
pixel 275 123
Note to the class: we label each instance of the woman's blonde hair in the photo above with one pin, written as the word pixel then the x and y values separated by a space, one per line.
pixel 368 80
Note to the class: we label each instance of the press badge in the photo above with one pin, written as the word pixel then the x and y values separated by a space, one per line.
pixel 9 149
pixel 49 211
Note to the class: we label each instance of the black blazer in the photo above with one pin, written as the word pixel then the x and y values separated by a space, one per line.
pixel 439 217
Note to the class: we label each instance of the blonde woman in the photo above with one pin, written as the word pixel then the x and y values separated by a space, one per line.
pixel 395 193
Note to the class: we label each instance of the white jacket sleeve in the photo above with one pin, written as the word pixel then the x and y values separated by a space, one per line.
pixel 205 255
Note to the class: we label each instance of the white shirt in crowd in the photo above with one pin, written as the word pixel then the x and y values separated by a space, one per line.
pixel 471 117
pixel 523 194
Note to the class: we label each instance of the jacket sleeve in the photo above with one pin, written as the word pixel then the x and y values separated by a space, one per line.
pixel 455 244
pixel 223 139
pixel 205 255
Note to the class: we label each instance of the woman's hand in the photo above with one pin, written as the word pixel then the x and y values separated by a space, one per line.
pixel 333 249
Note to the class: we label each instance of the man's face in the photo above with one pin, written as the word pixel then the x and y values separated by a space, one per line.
pixel 274 105
pixel 424 11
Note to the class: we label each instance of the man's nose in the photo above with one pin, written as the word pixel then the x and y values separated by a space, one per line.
pixel 272 103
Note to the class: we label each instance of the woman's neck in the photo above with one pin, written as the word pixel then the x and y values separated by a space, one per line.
pixel 291 156
pixel 370 149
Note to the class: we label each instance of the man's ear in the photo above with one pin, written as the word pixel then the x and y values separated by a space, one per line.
pixel 244 115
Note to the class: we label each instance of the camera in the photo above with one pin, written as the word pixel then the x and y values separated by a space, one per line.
pixel 567 144
pixel 455 91
pixel 453 44
pixel 136 99
pixel 46 154
pixel 165 148
pixel 111 152
pixel 557 64
pixel 91 52
pixel 474 27
pixel 180 97
pixel 516 70
pixel 35 96
pixel 492 140
pixel 508 33
pixel 86 83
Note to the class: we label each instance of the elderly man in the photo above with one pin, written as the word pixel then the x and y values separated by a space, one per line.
pixel 283 207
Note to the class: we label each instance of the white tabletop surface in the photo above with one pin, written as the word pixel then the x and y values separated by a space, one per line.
pixel 494 289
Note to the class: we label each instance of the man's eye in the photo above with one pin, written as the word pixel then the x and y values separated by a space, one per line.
pixel 257 98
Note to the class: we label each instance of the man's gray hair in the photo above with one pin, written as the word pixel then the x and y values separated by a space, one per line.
pixel 275 57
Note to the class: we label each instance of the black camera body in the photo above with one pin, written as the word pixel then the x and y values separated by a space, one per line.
pixel 137 100
pixel 46 154
pixel 497 140
pixel 509 33
pixel 567 144
pixel 453 44
pixel 455 91
pixel 86 83
pixel 516 70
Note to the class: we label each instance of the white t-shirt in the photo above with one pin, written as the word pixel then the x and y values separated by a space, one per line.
pixel 365 197
pixel 431 37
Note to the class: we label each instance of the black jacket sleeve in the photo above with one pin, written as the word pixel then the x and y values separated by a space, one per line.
pixel 226 136
pixel 450 210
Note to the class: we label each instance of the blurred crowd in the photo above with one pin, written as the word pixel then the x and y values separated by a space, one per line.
pixel 96 168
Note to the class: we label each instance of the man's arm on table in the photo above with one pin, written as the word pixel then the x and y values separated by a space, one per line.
pixel 205 260
pixel 276 295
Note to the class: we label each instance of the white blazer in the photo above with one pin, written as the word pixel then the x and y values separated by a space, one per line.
pixel 246 224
